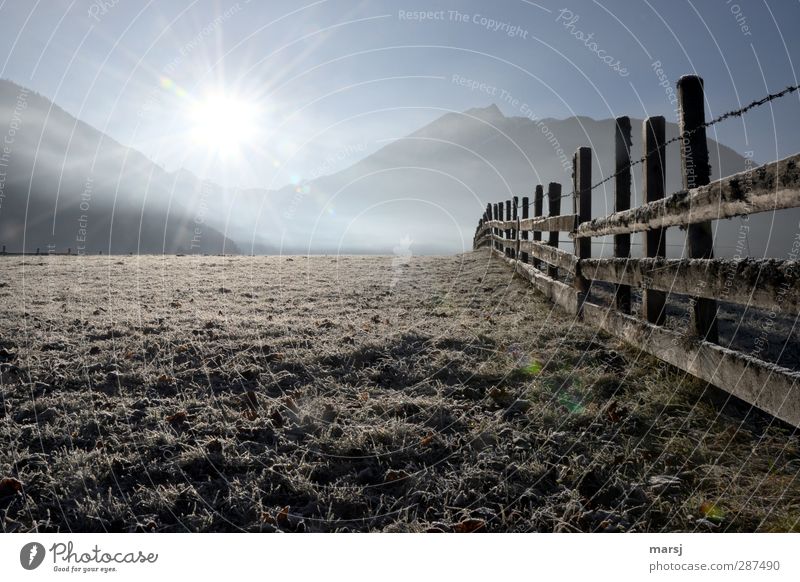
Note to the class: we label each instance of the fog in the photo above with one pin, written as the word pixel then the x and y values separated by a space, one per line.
pixel 69 186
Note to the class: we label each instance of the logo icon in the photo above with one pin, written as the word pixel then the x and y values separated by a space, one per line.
pixel 31 555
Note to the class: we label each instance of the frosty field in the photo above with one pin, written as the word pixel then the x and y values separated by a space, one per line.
pixel 354 394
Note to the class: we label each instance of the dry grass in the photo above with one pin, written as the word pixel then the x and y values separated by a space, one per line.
pixel 354 394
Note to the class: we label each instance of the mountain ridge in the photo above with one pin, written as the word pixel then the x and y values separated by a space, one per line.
pixel 429 187
pixel 71 186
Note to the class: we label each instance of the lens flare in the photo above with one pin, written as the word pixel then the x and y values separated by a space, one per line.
pixel 224 123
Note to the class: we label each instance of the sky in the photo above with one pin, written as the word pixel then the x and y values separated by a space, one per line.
pixel 299 89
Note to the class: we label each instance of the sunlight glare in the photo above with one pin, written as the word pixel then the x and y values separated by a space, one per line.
pixel 223 123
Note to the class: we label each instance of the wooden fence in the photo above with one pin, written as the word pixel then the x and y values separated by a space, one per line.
pixel 770 284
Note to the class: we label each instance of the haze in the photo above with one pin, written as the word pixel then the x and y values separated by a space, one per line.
pixel 343 126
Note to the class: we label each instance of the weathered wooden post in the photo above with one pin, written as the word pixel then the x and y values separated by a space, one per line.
pixel 524 233
pixel 538 201
pixel 494 229
pixel 622 201
pixel 697 172
pixel 508 230
pixel 501 246
pixel 515 231
pixel 481 221
pixel 486 218
pixel 654 184
pixel 488 214
pixel 500 231
pixel 582 204
pixel 553 209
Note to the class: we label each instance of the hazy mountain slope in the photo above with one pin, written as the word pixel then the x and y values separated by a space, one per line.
pixel 420 194
pixel 446 172
pixel 69 185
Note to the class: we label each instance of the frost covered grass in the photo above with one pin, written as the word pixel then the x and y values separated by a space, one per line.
pixel 354 394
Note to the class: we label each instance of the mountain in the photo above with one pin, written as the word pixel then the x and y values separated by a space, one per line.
pixel 423 192
pixel 66 185
pixel 432 186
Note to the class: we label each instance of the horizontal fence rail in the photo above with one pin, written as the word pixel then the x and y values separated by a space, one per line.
pixel 550 255
pixel 769 284
pixel 766 386
pixel 774 186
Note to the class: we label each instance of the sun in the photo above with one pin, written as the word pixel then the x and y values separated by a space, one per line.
pixel 223 123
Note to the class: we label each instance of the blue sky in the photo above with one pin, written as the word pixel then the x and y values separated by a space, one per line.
pixel 338 77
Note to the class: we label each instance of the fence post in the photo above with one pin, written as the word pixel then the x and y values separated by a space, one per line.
pixel 502 209
pixel 508 230
pixel 499 230
pixel 553 209
pixel 538 199
pixel 515 216
pixel 654 184
pixel 697 172
pixel 487 214
pixel 493 216
pixel 622 201
pixel 582 204
pixel 493 246
pixel 500 243
pixel 524 233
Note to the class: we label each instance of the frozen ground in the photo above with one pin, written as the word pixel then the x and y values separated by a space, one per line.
pixel 354 394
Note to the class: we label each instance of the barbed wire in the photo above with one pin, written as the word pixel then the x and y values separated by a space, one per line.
pixel 685 134
pixel 730 114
